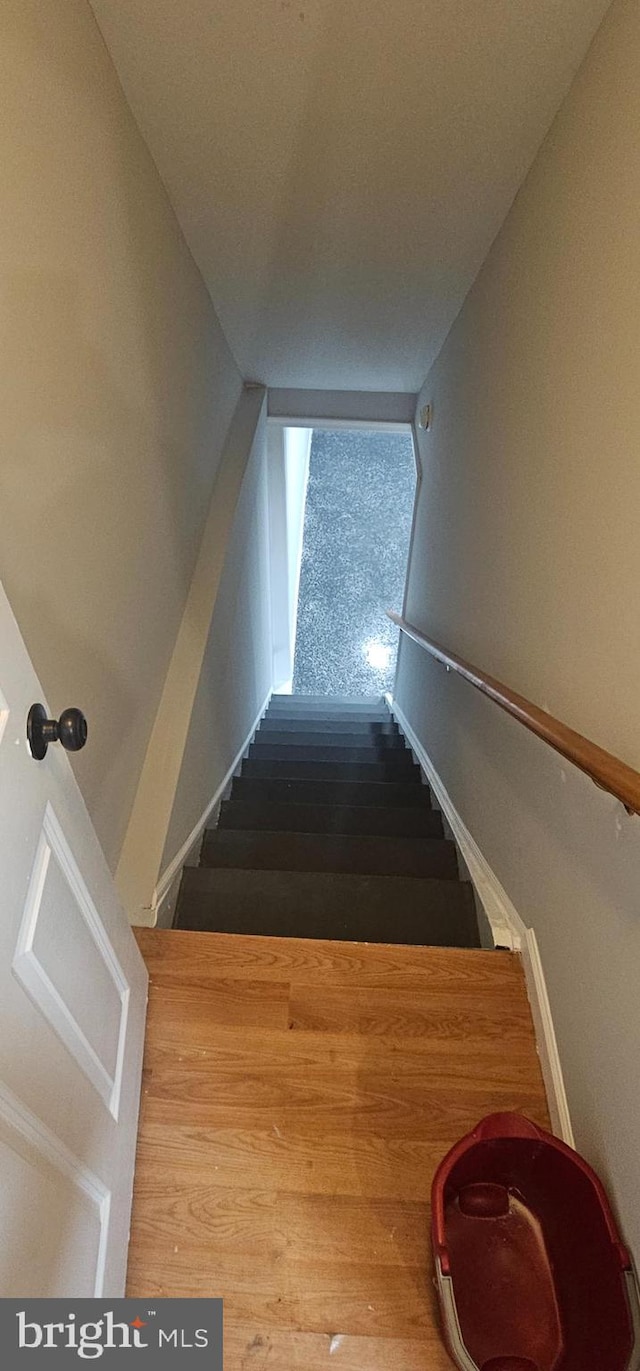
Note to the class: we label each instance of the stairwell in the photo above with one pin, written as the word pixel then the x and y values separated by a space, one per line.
pixel 329 833
pixel 300 1089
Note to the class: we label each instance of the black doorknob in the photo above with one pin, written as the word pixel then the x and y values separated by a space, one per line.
pixel 70 730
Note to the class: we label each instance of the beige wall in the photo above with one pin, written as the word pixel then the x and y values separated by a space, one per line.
pixel 527 561
pixel 237 669
pixel 117 391
pixel 140 863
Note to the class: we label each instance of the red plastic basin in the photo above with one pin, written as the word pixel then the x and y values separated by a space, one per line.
pixel 532 1274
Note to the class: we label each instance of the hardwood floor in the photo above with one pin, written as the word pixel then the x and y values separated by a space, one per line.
pixel 297 1098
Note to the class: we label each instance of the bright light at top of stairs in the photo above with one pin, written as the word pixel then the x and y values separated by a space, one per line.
pixel 377 654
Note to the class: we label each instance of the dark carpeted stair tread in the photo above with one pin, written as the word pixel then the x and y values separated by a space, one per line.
pixel 392 821
pixel 329 832
pixel 391 909
pixel 385 856
pixel 342 704
pixel 265 790
pixel 376 742
pixel 327 716
pixel 329 727
pixel 321 752
pixel 384 772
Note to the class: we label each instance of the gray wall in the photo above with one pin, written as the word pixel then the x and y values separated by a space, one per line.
pixel 118 388
pixel 236 674
pixel 526 560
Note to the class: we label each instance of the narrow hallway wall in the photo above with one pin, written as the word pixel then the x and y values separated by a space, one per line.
pixel 527 561
pixel 118 389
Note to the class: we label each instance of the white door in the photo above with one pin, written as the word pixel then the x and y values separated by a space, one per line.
pixel 73 991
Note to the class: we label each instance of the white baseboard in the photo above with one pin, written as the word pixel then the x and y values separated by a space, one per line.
pixel 506 925
pixel 509 930
pixel 546 1038
pixel 169 878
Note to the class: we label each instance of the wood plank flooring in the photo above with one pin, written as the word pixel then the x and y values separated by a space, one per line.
pixel 297 1098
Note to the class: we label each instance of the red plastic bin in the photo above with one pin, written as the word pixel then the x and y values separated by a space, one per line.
pixel 532 1274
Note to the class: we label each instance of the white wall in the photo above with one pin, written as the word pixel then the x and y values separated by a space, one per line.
pixel 526 560
pixel 167 759
pixel 236 674
pixel 117 391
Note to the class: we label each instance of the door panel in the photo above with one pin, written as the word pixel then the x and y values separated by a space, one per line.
pixel 60 1235
pixel 65 963
pixel 72 1008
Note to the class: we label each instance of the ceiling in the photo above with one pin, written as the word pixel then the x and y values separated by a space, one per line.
pixel 340 167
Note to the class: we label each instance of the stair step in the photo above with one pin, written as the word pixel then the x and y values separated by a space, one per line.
pixel 370 742
pixel 389 909
pixel 330 818
pixel 407 772
pixel 328 720
pixel 257 849
pixel 338 704
pixel 389 757
pixel 325 717
pixel 330 727
pixel 268 790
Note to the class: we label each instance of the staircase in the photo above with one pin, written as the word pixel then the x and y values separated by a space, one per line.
pixel 329 833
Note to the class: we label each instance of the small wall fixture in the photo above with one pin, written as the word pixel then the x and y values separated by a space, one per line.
pixel 425 417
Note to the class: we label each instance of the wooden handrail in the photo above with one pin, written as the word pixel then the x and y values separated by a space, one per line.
pixel 607 771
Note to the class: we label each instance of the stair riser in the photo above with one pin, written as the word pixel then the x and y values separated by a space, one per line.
pixel 326 905
pixel 329 727
pixel 310 818
pixel 366 756
pixel 332 771
pixel 328 702
pixel 258 850
pixel 374 742
pixel 326 716
pixel 265 791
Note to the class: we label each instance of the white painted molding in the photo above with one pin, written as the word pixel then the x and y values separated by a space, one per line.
pixel 509 930
pixel 546 1038
pixel 338 425
pixel 417 457
pixel 506 925
pixel 169 876
pixel 297 457
pixel 4 714
pixel 342 408
pixel 288 452
pixel 44 1144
